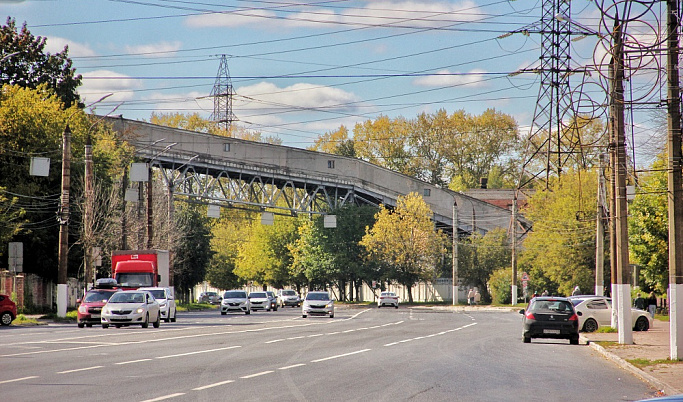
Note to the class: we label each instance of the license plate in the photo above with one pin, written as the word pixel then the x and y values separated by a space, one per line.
pixel 551 331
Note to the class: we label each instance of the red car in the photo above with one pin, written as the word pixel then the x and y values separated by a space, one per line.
pixel 90 307
pixel 8 310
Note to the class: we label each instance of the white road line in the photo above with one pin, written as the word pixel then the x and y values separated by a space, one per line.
pixel 197 352
pixel 276 340
pixel 161 398
pixel 257 374
pixel 134 361
pixel 334 333
pixel 295 337
pixel 292 366
pixel 430 335
pixel 19 379
pixel 338 356
pixel 315 335
pixel 80 369
pixel 213 385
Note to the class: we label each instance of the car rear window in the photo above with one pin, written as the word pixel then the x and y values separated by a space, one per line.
pixel 555 306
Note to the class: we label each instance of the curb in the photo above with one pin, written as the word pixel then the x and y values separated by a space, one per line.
pixel 661 386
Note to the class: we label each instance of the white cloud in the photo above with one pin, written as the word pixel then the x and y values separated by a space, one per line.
pixel 445 78
pixel 56 44
pixel 230 19
pixel 101 82
pixel 154 48
pixel 268 95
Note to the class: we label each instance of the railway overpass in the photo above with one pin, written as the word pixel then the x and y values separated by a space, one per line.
pixel 231 172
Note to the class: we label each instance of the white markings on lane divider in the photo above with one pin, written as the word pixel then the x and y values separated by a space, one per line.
pixel 334 333
pixel 213 385
pixel 257 374
pixel 161 398
pixel 80 369
pixel 431 335
pixel 338 356
pixel 19 379
pixel 133 361
pixel 292 366
pixel 197 352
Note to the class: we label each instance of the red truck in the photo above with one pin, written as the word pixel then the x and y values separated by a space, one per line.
pixel 133 269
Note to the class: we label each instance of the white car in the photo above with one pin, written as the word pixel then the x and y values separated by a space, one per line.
pixel 235 300
pixel 166 302
pixel 317 303
pixel 387 299
pixel 131 307
pixel 596 311
pixel 259 301
pixel 288 297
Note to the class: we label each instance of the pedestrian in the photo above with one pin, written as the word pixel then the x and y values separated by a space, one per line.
pixel 470 297
pixel 639 302
pixel 576 291
pixel 652 304
pixel 545 293
pixel 477 297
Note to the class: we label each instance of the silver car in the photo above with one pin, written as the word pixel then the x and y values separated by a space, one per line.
pixel 131 307
pixel 288 297
pixel 235 300
pixel 259 301
pixel 166 302
pixel 596 311
pixel 317 303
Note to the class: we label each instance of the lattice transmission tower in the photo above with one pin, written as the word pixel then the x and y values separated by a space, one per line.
pixel 222 94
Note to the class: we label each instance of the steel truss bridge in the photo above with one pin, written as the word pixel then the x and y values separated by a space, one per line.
pixel 234 173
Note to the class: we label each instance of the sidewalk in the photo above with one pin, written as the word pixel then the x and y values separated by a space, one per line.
pixel 650 345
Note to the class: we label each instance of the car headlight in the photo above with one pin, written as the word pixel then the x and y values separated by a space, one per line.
pixel 330 304
pixel 83 309
pixel 162 305
pixel 140 310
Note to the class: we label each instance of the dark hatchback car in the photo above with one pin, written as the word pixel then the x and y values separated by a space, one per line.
pixel 550 317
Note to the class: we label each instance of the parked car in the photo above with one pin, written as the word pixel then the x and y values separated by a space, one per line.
pixel 209 297
pixel 8 310
pixel 273 300
pixel 387 299
pixel 90 306
pixel 596 311
pixel 550 317
pixel 131 307
pixel 235 300
pixel 166 302
pixel 288 297
pixel 259 301
pixel 317 303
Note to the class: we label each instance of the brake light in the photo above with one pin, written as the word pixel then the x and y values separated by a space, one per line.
pixel 529 315
pixel 574 317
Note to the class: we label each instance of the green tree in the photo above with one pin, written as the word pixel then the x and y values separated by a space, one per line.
pixel 405 240
pixel 310 261
pixel 562 243
pixel 487 254
pixel 648 228
pixel 227 234
pixel 335 142
pixel 384 142
pixel 500 285
pixel 23 62
pixel 192 254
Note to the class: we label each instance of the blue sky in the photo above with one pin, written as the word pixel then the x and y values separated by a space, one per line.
pixel 302 68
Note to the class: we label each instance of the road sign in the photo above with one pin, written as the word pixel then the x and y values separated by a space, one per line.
pixel 16 256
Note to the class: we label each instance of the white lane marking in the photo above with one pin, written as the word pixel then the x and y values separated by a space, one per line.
pixel 292 366
pixel 134 361
pixel 161 398
pixel 19 379
pixel 80 369
pixel 348 330
pixel 196 352
pixel 359 313
pixel 334 333
pixel 338 356
pixel 257 374
pixel 296 337
pixel 213 385
pixel 430 335
pixel 315 335
pixel 276 340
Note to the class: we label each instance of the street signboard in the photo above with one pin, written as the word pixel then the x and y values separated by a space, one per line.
pixel 16 256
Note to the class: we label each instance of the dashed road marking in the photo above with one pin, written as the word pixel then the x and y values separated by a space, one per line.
pixel 161 398
pixel 292 366
pixel 19 379
pixel 217 384
pixel 257 374
pixel 80 369
pixel 338 356
pixel 197 352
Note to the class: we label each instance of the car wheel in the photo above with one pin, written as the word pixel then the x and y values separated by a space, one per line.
pixel 81 325
pixel 117 325
pixel 105 326
pixel 574 341
pixel 397 306
pixel 590 325
pixel 145 324
pixel 174 314
pixel 642 324
pixel 379 306
pixel 223 313
pixel 527 339
pixel 88 325
pixel 304 315
pixel 332 315
pixel 6 318
pixel 247 312
pixel 268 309
pixel 168 316
pixel 158 321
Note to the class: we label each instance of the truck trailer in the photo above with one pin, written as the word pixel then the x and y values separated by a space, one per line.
pixel 133 269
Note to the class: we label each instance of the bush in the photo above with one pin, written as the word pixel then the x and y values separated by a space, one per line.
pixel 500 284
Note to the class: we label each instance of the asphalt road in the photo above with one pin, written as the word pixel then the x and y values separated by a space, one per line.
pixel 362 354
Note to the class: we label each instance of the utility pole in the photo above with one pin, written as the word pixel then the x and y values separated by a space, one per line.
pixel 675 183
pixel 63 217
pixel 513 243
pixel 150 216
pixel 620 213
pixel 600 232
pixel 455 253
pixel 88 214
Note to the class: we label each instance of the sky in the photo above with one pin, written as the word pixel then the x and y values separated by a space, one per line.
pixel 300 69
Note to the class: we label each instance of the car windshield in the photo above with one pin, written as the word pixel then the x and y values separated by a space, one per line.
pixel 317 296
pixel 122 297
pixel 211 293
pixel 97 296
pixel 257 295
pixel 158 293
pixel 288 293
pixel 135 279
pixel 554 306
pixel 235 295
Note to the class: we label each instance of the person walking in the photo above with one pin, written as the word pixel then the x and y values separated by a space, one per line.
pixel 477 297
pixel 639 302
pixel 470 297
pixel 652 304
pixel 576 291
pixel 545 293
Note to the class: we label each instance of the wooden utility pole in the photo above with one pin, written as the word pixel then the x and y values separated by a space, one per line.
pixel 600 232
pixel 513 244
pixel 63 217
pixel 150 214
pixel 455 253
pixel 675 183
pixel 88 214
